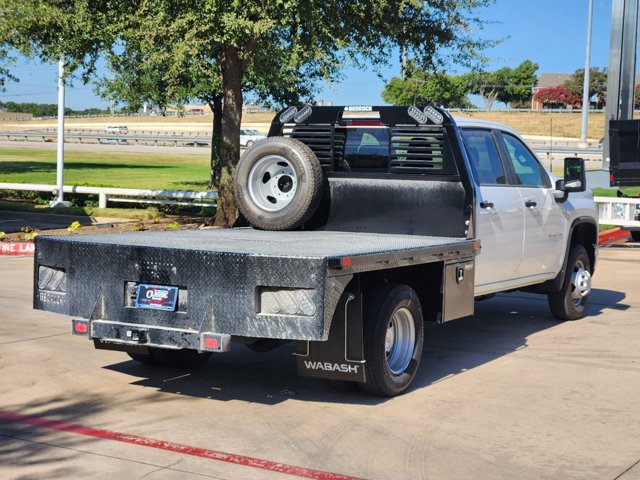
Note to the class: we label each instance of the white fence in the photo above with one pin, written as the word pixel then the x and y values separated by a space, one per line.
pixel 122 195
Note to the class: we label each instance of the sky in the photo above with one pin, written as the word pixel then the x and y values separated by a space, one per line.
pixel 551 33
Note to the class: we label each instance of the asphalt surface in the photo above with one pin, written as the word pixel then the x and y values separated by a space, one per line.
pixel 509 393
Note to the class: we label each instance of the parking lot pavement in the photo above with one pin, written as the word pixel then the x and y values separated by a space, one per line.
pixel 509 393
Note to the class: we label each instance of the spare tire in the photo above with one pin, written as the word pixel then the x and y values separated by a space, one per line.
pixel 278 184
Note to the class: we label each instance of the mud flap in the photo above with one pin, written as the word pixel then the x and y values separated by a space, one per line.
pixel 341 357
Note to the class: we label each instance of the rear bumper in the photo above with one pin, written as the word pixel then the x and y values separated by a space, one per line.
pixel 133 337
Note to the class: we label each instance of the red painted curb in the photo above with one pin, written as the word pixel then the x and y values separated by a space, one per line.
pixel 612 235
pixel 242 460
pixel 21 248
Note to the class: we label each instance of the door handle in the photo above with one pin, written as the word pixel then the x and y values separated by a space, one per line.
pixel 485 204
pixel 531 203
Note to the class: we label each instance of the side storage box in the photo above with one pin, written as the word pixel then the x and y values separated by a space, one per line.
pixel 458 294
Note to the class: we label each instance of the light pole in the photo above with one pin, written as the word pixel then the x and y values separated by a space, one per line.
pixel 59 200
pixel 586 98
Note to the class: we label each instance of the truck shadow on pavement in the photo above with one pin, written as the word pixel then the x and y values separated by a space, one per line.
pixel 501 326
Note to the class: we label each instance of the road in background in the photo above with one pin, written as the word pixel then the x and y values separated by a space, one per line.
pixel 509 393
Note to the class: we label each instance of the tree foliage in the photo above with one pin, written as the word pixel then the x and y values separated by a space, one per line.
pixel 520 83
pixel 488 85
pixel 508 85
pixel 597 82
pixel 46 109
pixel 230 47
pixel 423 88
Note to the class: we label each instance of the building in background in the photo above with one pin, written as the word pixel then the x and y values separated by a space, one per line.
pixel 547 80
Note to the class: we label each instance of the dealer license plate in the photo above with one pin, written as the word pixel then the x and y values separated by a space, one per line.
pixel 156 297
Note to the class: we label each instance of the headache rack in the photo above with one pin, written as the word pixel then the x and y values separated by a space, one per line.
pixel 417 144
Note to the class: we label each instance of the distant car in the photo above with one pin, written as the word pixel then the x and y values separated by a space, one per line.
pixel 117 129
pixel 249 135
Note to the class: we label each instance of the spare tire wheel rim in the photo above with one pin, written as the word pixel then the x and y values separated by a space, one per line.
pixel 272 183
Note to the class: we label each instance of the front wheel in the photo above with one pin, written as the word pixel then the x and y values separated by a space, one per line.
pixel 393 339
pixel 570 302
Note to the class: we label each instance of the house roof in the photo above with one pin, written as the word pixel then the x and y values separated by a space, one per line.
pixel 547 80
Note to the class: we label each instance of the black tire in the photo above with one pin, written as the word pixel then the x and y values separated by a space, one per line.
pixel 278 184
pixel 184 359
pixel 145 359
pixel 571 301
pixel 635 234
pixel 381 305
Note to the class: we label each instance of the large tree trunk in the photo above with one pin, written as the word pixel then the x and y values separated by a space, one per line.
pixel 214 170
pixel 489 98
pixel 232 73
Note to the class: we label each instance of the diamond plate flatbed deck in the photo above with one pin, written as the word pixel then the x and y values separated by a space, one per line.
pixel 221 272
pixel 248 241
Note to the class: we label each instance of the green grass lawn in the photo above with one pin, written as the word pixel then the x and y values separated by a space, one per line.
pixel 109 169
pixel 612 192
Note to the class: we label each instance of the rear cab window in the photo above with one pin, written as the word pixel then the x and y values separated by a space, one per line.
pixel 383 141
pixel 366 149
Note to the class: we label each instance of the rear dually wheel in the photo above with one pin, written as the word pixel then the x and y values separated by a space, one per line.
pixel 393 339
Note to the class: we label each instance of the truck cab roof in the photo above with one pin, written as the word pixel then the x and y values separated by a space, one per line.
pixel 465 122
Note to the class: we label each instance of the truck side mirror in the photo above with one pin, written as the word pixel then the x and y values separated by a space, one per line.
pixel 575 179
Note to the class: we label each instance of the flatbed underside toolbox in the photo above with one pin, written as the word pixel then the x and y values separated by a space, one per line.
pixel 241 282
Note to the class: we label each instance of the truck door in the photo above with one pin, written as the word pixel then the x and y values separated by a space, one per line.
pixel 499 222
pixel 543 219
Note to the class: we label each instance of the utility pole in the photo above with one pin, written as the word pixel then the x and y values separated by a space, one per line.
pixel 59 200
pixel 586 98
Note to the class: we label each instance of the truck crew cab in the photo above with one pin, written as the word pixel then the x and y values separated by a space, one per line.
pixel 363 224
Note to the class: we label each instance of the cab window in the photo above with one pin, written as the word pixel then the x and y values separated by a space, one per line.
pixel 484 157
pixel 528 171
pixel 367 149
